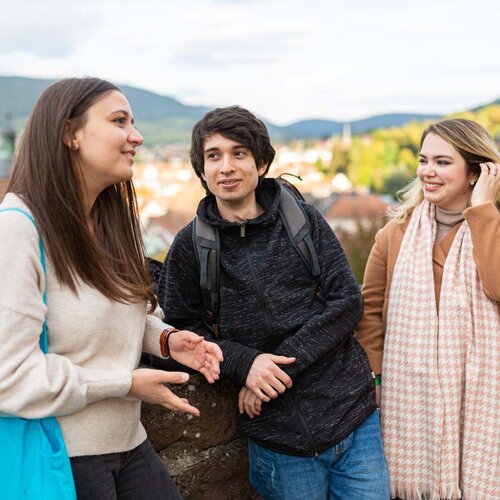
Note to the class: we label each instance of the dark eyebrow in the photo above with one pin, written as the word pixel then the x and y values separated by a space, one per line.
pixel 125 112
pixel 215 148
pixel 437 157
pixel 211 150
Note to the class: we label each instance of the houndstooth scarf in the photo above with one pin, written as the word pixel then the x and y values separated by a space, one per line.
pixel 441 372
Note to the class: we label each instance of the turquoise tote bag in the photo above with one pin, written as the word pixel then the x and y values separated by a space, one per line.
pixel 34 463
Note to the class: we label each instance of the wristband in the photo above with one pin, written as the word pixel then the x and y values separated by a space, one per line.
pixel 377 380
pixel 165 351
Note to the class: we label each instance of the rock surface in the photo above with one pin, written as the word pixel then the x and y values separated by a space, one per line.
pixel 206 456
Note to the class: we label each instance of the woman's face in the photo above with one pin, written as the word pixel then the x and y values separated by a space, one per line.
pixel 107 142
pixel 443 175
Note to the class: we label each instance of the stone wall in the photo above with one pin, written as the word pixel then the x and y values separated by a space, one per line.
pixel 206 456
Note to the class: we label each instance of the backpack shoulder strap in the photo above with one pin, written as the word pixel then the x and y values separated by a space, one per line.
pixel 298 229
pixel 207 249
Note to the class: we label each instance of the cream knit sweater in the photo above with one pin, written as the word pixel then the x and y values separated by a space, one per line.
pixel 94 344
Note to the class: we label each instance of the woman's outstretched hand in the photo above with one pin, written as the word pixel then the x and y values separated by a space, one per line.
pixel 194 351
pixel 148 385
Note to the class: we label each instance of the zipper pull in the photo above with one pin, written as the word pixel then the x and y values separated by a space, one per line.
pixel 242 229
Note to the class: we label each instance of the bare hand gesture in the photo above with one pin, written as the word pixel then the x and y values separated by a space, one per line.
pixel 249 403
pixel 147 385
pixel 266 379
pixel 194 351
pixel 488 184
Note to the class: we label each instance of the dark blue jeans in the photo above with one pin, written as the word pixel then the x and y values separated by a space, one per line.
pixel 354 469
pixel 137 474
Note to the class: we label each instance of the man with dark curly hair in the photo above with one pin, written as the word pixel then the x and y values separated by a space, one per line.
pixel 285 327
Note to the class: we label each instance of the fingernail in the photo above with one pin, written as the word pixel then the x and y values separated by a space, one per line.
pixel 184 377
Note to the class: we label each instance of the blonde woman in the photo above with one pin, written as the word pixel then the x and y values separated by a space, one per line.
pixel 431 325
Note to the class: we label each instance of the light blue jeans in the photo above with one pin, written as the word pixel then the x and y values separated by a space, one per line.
pixel 354 469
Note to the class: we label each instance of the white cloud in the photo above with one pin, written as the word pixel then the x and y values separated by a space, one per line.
pixel 236 51
pixel 40 31
pixel 283 59
pixel 234 42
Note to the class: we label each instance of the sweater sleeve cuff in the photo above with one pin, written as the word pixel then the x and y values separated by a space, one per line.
pixel 102 384
pixel 152 331
pixel 238 359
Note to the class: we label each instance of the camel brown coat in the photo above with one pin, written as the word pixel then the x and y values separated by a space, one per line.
pixel 484 223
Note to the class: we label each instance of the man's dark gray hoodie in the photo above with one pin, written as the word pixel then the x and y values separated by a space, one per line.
pixel 270 303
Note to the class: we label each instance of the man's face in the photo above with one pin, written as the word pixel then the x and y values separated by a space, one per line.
pixel 230 171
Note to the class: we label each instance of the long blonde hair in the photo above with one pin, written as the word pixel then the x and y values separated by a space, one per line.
pixel 473 143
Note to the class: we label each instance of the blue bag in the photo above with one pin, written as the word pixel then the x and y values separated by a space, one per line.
pixel 34 463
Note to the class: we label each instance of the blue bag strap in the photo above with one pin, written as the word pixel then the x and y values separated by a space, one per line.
pixel 44 338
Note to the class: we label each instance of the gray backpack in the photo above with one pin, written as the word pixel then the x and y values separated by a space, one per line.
pixel 207 248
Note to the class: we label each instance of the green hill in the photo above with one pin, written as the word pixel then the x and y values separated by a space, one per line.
pixel 17 96
pixel 162 119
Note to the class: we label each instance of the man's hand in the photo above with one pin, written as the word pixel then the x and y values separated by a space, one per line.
pixel 249 403
pixel 148 385
pixel 193 351
pixel 266 379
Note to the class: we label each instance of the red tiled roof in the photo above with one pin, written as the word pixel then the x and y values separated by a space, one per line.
pixel 358 205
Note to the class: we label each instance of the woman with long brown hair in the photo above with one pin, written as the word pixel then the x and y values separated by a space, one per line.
pixel 73 174
pixel 431 324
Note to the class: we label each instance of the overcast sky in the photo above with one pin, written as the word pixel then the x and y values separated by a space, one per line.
pixel 283 59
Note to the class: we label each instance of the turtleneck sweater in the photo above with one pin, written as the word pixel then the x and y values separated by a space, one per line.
pixel 446 220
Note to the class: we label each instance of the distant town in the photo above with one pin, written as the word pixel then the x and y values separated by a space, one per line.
pixel 351 179
pixel 169 191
